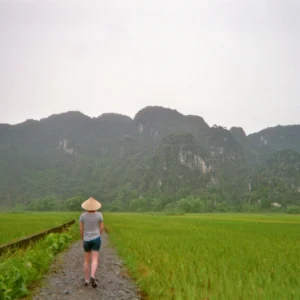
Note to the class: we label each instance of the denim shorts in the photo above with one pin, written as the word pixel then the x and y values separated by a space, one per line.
pixel 93 245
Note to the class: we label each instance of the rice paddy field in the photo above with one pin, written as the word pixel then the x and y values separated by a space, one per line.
pixel 210 256
pixel 19 225
pixel 194 256
pixel 19 270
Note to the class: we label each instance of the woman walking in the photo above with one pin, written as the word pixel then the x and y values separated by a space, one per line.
pixel 91 228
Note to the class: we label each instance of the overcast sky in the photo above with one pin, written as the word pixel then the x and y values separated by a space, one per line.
pixel 235 63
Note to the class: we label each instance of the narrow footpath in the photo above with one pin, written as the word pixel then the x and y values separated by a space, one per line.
pixel 65 279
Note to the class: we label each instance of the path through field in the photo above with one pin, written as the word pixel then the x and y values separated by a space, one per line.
pixel 65 279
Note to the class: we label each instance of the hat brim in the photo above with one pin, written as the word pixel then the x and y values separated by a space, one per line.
pixel 91 205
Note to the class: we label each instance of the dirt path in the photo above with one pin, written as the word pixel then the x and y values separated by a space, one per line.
pixel 65 279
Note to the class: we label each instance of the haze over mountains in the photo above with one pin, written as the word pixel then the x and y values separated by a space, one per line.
pixel 160 154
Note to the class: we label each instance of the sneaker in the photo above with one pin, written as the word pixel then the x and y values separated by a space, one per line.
pixel 86 283
pixel 93 282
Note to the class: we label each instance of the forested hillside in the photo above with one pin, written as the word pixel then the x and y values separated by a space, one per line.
pixel 159 160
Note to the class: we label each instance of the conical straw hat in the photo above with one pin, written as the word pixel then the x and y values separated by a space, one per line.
pixel 91 204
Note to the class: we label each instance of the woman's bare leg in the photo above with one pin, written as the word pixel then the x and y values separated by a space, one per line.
pixel 95 255
pixel 87 257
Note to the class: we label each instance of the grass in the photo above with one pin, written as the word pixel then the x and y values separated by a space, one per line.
pixel 210 256
pixel 18 225
pixel 19 271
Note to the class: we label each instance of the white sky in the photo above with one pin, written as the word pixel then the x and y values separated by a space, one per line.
pixel 235 63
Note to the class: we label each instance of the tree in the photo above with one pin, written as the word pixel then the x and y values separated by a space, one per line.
pixel 156 204
pixel 43 204
pixel 74 203
pixel 139 205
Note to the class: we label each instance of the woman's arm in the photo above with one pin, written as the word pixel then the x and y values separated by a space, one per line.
pixel 101 227
pixel 81 229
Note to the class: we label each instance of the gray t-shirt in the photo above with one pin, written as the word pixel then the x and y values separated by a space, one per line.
pixel 91 225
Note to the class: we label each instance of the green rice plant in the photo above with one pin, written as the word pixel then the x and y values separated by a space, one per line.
pixel 18 225
pixel 210 256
